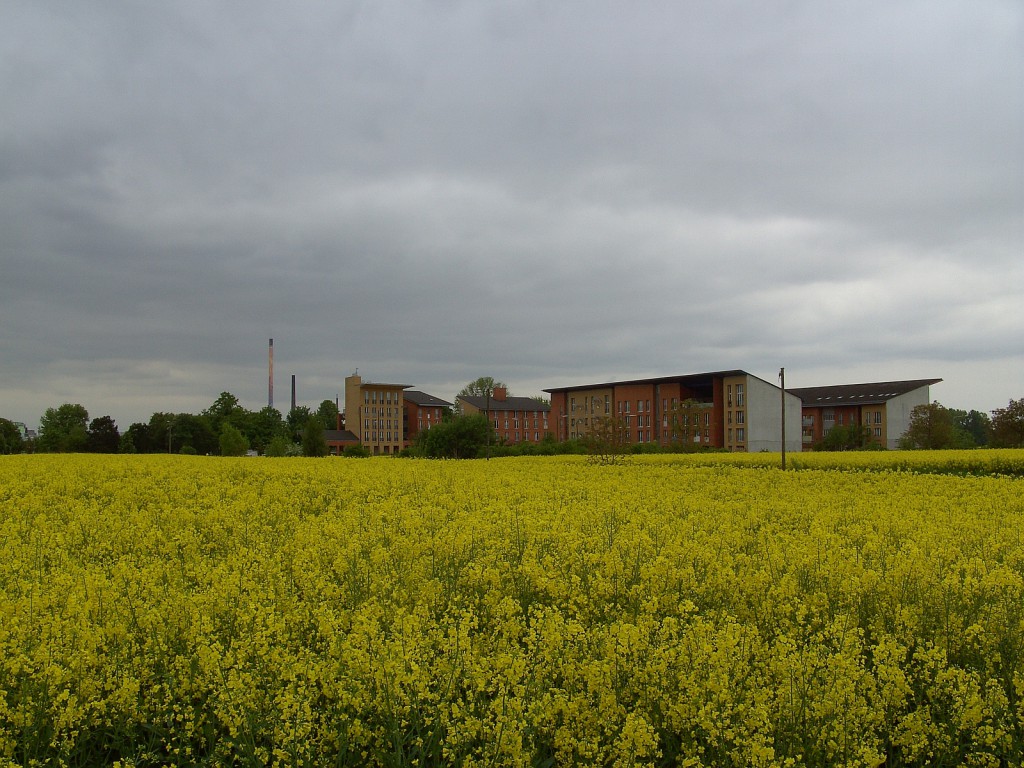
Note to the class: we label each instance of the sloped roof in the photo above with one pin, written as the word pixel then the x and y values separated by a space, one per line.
pixel 422 398
pixel 508 404
pixel 859 394
pixel 340 436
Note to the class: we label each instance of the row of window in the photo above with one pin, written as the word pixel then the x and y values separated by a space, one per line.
pixel 830 418
pixel 373 410
pixel 373 396
pixel 592 403
pixel 380 423
pixel 514 437
pixel 526 423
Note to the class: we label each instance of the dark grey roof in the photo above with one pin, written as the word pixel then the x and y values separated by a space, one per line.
pixel 340 436
pixel 508 404
pixel 422 398
pixel 859 394
pixel 691 380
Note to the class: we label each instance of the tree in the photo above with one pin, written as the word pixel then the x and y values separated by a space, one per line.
pixel 232 441
pixel 262 426
pixel 277 447
pixel 1008 425
pixel 608 440
pixel 313 441
pixel 461 437
pixel 191 433
pixel 103 436
pixel 10 437
pixel 127 443
pixel 974 424
pixel 931 427
pixel 160 434
pixel 684 423
pixel 296 422
pixel 482 387
pixel 328 414
pixel 854 437
pixel 226 409
pixel 64 429
pixel 138 435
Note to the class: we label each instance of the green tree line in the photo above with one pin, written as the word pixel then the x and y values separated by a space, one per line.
pixel 224 428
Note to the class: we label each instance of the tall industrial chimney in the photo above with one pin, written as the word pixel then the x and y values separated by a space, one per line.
pixel 270 380
pixel 293 391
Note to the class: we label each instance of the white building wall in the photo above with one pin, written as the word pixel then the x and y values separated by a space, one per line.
pixel 764 418
pixel 897 414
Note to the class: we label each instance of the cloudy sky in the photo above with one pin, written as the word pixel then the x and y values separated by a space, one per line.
pixel 550 193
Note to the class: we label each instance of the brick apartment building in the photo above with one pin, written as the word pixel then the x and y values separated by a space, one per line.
pixel 515 419
pixel 421 412
pixel 883 407
pixel 734 410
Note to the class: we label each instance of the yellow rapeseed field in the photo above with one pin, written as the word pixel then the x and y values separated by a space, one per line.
pixel 671 610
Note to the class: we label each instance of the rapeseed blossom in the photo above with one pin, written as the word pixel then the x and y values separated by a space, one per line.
pixel 700 611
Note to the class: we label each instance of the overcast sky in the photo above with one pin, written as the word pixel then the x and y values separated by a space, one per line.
pixel 550 193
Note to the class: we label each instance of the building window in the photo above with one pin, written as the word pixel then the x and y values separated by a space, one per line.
pixel 878 417
pixel 739 395
pixel 741 435
pixel 739 417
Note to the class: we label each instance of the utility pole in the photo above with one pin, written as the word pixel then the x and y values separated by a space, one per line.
pixel 782 386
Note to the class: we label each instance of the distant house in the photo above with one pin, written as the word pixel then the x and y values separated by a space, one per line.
pixel 421 411
pixel 884 407
pixel 515 419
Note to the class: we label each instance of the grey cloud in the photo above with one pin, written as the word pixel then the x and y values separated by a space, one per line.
pixel 438 190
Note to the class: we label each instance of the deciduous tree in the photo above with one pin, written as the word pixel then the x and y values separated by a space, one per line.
pixel 103 436
pixel 64 429
pixel 461 437
pixel 1008 425
pixel 608 439
pixel 313 441
pixel 232 441
pixel 931 427
pixel 10 437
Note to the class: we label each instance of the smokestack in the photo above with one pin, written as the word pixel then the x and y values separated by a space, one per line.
pixel 270 378
pixel 293 391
